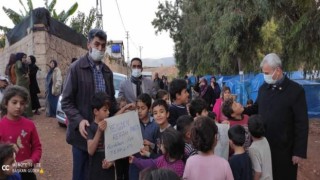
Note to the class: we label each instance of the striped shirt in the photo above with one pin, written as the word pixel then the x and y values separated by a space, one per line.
pixel 98 77
pixel 189 150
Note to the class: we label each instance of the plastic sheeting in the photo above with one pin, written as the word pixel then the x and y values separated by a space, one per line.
pixel 247 87
pixel 312 91
pixel 52 26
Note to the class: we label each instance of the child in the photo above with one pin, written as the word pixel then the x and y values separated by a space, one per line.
pixel 259 151
pixel 99 168
pixel 19 130
pixel 184 124
pixel 158 174
pixel 7 160
pixel 179 97
pixel 198 107
pixel 200 166
pixel 160 114
pixel 172 147
pixel 249 103
pixel 163 94
pixel 212 115
pixel 233 111
pixel 225 94
pixel 240 161
pixel 149 130
pixel 121 101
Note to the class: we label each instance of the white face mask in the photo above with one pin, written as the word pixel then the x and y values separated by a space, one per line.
pixel 136 72
pixel 268 78
pixel 96 55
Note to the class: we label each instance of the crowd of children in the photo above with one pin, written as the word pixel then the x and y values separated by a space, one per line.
pixel 179 137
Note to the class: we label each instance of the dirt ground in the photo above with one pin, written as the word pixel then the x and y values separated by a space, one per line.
pixel 56 160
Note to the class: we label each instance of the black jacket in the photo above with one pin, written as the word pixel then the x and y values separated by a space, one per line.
pixel 78 91
pixel 284 111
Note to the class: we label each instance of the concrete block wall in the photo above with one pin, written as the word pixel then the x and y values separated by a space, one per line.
pixel 46 47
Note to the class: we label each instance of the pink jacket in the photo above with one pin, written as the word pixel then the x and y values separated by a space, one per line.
pixel 218 111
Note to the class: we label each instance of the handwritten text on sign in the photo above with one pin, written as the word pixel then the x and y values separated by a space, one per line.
pixel 123 136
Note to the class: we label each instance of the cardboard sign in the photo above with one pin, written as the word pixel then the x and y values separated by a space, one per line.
pixel 122 136
pixel 222 147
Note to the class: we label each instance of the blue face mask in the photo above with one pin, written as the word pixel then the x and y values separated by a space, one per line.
pixel 268 78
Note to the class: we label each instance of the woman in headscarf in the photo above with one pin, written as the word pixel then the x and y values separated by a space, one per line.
pixel 53 88
pixel 34 87
pixel 22 75
pixel 10 73
pixel 206 92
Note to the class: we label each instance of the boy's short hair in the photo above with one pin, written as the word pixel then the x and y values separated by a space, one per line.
pixel 184 122
pixel 99 100
pixel 237 134
pixel 256 126
pixel 249 101
pixel 203 133
pixel 160 102
pixel 145 98
pixel 161 93
pixel 176 86
pixel 227 108
pixel 136 59
pixel 212 115
pixel 121 99
pixel 197 106
pixel 6 151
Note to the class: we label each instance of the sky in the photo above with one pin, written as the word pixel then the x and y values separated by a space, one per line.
pixel 137 16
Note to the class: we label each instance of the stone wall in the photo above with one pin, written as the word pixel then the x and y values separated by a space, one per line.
pixel 46 47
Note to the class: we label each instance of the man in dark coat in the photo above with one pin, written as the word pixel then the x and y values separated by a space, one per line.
pixel 282 104
pixel 85 77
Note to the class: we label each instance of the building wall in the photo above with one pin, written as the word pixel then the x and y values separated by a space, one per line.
pixel 46 47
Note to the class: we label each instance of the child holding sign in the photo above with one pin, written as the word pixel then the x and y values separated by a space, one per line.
pixel 172 147
pixel 149 130
pixel 99 168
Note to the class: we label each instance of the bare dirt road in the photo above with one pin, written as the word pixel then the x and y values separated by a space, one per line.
pixel 56 158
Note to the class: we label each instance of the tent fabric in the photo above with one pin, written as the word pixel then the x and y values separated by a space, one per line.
pixel 115 48
pixel 247 87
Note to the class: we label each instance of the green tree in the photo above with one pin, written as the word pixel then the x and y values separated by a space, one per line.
pixel 82 23
pixel 16 18
pixel 218 36
pixel 63 15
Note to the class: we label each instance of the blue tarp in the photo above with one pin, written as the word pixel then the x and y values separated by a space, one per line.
pixel 116 48
pixel 248 87
pixel 312 90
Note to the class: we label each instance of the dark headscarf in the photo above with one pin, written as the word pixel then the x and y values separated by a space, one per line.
pixel 33 59
pixel 19 57
pixel 203 88
pixel 33 68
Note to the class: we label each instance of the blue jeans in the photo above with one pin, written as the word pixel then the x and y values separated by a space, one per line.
pixel 80 164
